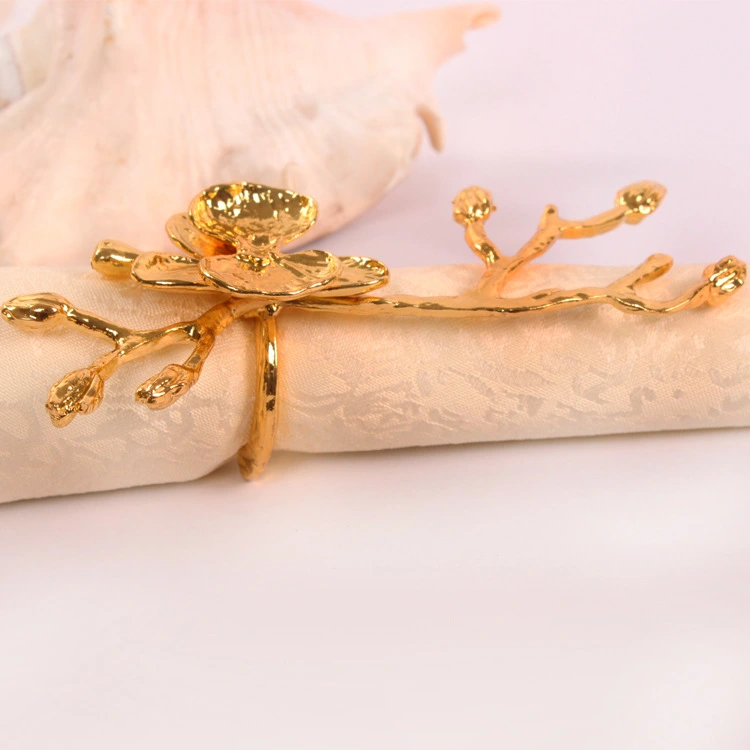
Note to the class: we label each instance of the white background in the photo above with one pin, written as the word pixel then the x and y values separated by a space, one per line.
pixel 588 594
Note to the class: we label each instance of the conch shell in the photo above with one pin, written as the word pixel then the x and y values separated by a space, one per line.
pixel 116 112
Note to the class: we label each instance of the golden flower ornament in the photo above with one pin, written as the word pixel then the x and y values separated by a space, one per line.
pixel 231 242
pixel 233 235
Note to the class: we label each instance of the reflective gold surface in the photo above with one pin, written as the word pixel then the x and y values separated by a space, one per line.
pixel 232 237
pixel 252 217
pixel 473 206
pixel 357 275
pixel 273 276
pixel 114 259
pixel 168 272
pixel 255 454
pixel 189 239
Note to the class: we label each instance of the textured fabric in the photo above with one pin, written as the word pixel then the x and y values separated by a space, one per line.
pixel 349 383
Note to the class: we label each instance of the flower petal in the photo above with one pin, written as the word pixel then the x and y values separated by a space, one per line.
pixel 188 238
pixel 174 272
pixel 273 277
pixel 245 212
pixel 359 275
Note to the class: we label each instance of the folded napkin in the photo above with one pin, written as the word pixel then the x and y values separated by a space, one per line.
pixel 352 383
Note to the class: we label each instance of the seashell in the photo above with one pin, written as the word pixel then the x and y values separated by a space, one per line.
pixel 121 102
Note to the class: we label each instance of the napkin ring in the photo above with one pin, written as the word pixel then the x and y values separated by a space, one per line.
pixel 232 238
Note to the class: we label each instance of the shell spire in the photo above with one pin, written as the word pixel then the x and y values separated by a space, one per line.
pixel 433 37
pixel 440 33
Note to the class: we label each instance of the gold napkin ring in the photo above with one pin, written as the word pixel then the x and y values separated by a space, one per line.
pixel 231 240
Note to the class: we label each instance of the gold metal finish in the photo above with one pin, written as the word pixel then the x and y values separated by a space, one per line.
pixel 232 238
pixel 252 217
pixel 255 454
pixel 167 272
pixel 272 276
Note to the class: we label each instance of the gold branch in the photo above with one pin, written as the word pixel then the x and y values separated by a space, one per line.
pixel 231 238
pixel 718 282
pixel 81 391
pixel 473 206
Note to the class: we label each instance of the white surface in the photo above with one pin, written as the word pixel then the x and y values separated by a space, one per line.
pixel 578 594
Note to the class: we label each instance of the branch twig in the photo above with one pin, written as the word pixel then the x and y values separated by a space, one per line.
pixel 81 391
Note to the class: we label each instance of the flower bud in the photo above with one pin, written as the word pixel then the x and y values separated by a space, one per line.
pixel 165 388
pixel 727 276
pixel 79 391
pixel 472 204
pixel 36 311
pixel 641 199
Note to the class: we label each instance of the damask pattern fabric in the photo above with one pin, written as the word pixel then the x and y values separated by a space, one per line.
pixel 358 384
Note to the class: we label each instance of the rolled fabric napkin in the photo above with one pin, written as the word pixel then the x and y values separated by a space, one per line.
pixel 351 383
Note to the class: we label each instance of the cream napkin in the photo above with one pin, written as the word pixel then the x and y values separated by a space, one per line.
pixel 351 384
